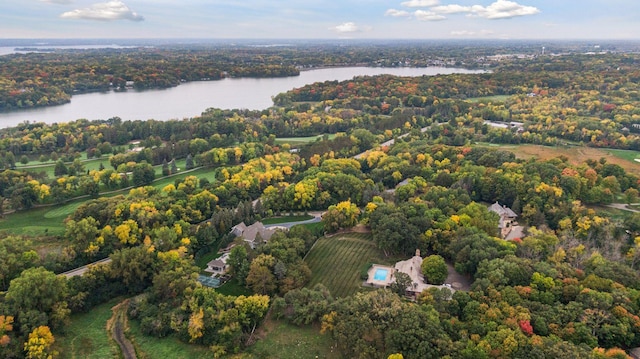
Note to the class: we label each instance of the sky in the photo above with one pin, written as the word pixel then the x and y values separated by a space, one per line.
pixel 321 19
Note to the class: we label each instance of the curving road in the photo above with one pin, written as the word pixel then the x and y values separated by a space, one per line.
pixel 623 206
pixel 81 270
pixel 317 217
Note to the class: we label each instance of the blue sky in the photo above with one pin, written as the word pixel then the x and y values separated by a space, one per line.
pixel 321 19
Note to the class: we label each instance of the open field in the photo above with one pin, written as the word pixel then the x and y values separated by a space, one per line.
pixel 148 347
pixel 575 154
pixel 233 288
pixel 301 140
pixel 33 222
pixel 280 340
pixel 496 98
pixel 86 336
pixel 338 261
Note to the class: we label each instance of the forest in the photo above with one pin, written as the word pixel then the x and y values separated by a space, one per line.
pixel 404 163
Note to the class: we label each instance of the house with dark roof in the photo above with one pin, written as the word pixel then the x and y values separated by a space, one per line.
pixel 507 224
pixel 218 265
pixel 253 234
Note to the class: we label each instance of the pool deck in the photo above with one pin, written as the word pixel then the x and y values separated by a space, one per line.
pixel 372 281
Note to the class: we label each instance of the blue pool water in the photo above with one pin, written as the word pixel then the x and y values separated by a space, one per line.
pixel 381 274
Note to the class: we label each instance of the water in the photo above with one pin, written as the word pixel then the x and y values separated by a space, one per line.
pixel 381 274
pixel 192 98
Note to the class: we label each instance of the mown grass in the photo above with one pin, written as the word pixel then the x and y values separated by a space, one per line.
pixel 337 262
pixel 302 140
pixel 233 288
pixel 286 341
pixel 32 222
pixel 86 336
pixel 286 219
pixel 628 155
pixel 495 98
pixel 48 167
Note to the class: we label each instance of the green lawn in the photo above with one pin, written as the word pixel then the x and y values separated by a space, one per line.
pixel 301 140
pixel 286 219
pixel 33 222
pixel 628 155
pixel 208 173
pixel 86 336
pixel 338 261
pixel 287 341
pixel 496 98
pixel 233 288
pixel 48 167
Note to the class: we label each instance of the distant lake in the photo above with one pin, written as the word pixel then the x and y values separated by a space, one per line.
pixel 192 98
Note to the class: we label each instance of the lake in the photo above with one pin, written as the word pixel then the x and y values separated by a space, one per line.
pixel 192 98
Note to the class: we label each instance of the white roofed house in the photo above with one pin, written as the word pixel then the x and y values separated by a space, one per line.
pixel 507 224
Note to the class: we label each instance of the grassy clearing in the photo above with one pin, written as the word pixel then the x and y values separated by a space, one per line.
pixel 626 155
pixel 233 288
pixel 148 347
pixel 576 154
pixel 87 337
pixel 286 341
pixel 64 210
pixel 286 219
pixel 32 222
pixel 496 98
pixel 302 140
pixel 337 262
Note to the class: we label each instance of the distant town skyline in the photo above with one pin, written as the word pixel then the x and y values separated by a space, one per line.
pixel 318 19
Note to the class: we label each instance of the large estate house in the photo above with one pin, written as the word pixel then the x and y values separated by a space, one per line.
pixel 507 224
pixel 253 234
pixel 381 276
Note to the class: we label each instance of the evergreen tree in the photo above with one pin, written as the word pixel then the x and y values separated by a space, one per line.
pixel 189 165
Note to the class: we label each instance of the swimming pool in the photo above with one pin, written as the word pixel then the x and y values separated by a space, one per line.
pixel 381 274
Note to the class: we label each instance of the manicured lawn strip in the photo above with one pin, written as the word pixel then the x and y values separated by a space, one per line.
pixel 86 336
pixel 496 98
pixel 32 222
pixel 148 347
pixel 302 140
pixel 48 167
pixel 336 262
pixel 287 341
pixel 233 288
pixel 64 210
pixel 285 219
pixel 628 155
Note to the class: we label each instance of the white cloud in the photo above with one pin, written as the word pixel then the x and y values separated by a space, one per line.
pixel 463 33
pixel 420 3
pixel 106 11
pixel 397 13
pixel 450 9
pixel 467 33
pixel 345 28
pixel 428 16
pixel 57 1
pixel 503 9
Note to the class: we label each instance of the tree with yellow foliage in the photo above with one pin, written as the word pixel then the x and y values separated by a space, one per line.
pixel 39 344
